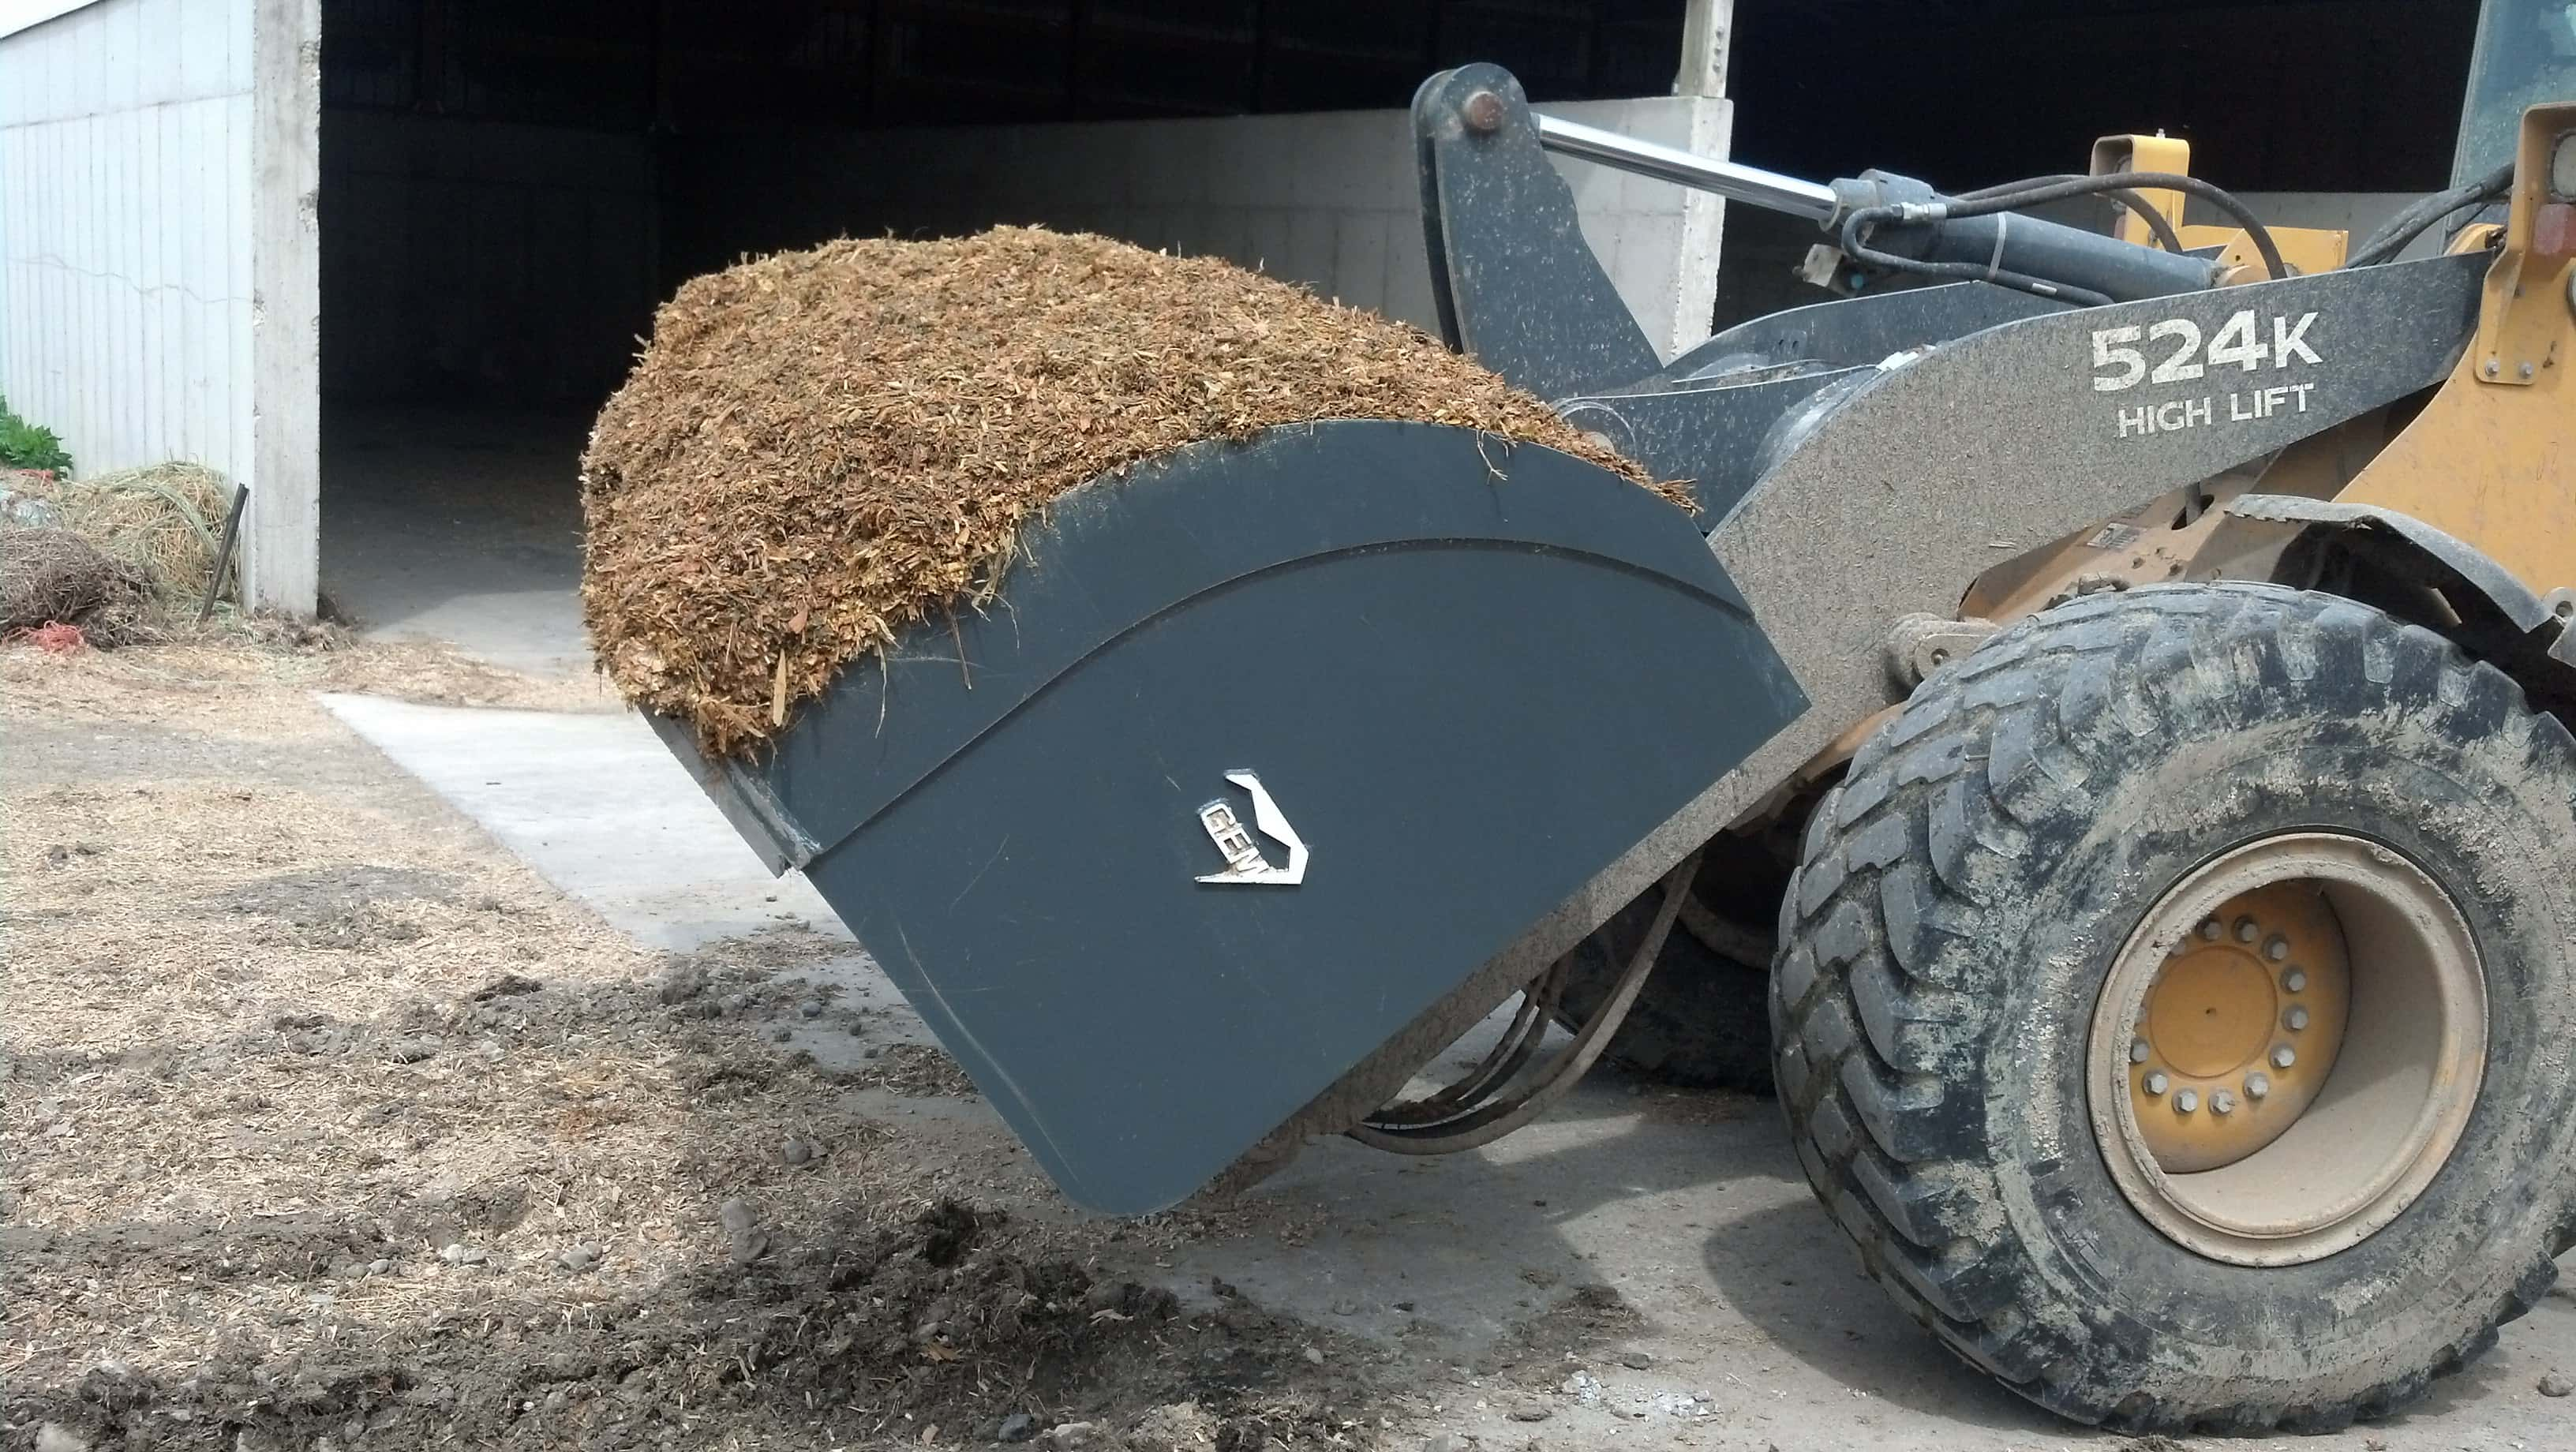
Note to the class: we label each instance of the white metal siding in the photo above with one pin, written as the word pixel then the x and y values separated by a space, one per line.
pixel 125 230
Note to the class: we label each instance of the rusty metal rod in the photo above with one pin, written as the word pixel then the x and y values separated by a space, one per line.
pixel 224 552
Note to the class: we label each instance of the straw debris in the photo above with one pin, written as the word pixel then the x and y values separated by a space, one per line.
pixel 163 519
pixel 819 449
pixel 126 556
pixel 55 577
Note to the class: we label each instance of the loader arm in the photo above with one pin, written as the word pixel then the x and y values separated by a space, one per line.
pixel 1836 435
pixel 1516 285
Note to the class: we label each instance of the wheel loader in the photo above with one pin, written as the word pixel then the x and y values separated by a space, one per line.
pixel 2100 748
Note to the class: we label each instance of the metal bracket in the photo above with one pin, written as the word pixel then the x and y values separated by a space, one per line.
pixel 2520 325
pixel 1921 644
pixel 1515 283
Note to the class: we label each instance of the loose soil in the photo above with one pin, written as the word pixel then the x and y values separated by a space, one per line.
pixel 282 1028
pixel 821 448
pixel 329 1124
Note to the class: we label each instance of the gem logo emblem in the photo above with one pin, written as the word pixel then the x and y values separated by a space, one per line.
pixel 1244 862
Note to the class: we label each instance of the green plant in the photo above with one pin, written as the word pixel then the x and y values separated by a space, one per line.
pixel 24 445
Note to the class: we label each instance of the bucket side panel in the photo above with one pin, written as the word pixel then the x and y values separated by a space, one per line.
pixel 1462 732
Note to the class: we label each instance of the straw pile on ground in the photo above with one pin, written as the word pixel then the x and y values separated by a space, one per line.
pixel 125 556
pixel 164 519
pixel 55 577
pixel 820 448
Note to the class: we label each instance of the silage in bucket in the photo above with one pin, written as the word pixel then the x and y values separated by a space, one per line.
pixel 820 449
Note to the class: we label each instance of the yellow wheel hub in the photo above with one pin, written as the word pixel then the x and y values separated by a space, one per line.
pixel 2240 1029
pixel 2287 1047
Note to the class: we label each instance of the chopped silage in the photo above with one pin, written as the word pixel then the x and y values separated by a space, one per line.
pixel 819 449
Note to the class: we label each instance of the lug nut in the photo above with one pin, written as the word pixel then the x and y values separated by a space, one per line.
pixel 2138 1051
pixel 2222 1102
pixel 2210 930
pixel 2283 1056
pixel 2246 932
pixel 2257 1085
pixel 2296 980
pixel 2157 1081
pixel 2296 1018
pixel 2187 1101
pixel 2277 949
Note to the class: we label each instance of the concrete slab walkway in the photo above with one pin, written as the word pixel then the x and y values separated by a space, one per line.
pixel 595 802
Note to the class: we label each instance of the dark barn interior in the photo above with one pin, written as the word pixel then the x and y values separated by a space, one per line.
pixel 509 189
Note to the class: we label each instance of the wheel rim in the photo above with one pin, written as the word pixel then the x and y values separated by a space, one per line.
pixel 2287 1048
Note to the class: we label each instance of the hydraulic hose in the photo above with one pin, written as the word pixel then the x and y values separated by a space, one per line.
pixel 1467 1114
pixel 2424 212
pixel 2166 236
pixel 1855 245
pixel 2026 194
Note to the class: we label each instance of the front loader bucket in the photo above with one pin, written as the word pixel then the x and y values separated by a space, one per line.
pixel 1261 752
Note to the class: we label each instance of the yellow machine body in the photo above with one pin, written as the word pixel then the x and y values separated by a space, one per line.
pixel 2492 458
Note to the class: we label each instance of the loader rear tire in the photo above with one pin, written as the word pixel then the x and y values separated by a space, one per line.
pixel 1999 853
pixel 1700 1020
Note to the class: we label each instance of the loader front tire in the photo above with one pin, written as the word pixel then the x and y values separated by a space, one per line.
pixel 1997 938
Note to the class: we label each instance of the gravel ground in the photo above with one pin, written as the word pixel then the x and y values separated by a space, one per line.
pixel 329 1123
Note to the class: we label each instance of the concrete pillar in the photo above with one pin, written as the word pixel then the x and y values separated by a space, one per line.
pixel 1712 133
pixel 281 541
pixel 1707 28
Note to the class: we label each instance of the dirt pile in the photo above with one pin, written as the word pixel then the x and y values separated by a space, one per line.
pixel 323 1117
pixel 821 448
pixel 940 1330
pixel 913 1324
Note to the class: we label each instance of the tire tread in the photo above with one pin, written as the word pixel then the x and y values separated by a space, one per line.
pixel 1864 1017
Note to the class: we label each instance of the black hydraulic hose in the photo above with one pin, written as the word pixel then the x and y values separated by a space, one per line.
pixel 2423 212
pixel 2017 195
pixel 1857 225
pixel 2166 236
pixel 1510 1054
pixel 1491 1121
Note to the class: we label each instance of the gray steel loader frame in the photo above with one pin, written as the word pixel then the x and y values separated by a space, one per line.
pixel 1854 461
pixel 1844 487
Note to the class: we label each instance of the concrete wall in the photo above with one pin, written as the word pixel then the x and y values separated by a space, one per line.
pixel 2359 213
pixel 1328 199
pixel 485 260
pixel 157 250
pixel 282 530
